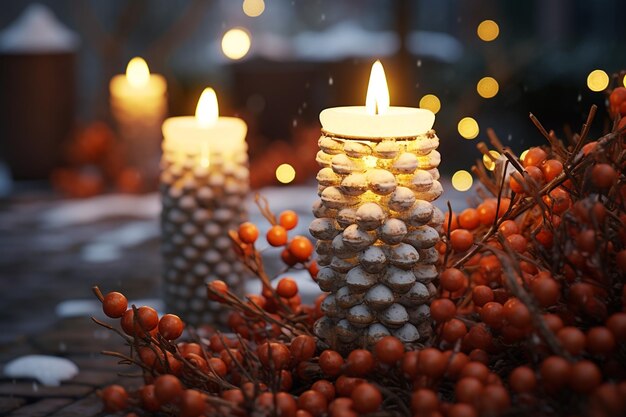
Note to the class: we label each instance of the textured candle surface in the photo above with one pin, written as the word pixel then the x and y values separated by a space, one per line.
pixel 203 197
pixel 377 231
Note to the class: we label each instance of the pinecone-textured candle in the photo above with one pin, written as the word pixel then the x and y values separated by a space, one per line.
pixel 200 206
pixel 204 183
pixel 377 231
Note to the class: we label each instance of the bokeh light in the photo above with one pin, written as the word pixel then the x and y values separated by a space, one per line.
pixel 624 81
pixel 487 87
pixel 523 155
pixel 489 163
pixel 253 8
pixel 462 180
pixel 236 43
pixel 430 102
pixel 488 30
pixel 468 128
pixel 285 173
pixel 597 80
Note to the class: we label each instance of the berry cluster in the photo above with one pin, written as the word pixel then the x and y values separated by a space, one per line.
pixel 94 161
pixel 529 316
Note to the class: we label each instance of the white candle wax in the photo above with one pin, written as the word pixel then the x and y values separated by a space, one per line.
pixel 354 121
pixel 377 120
pixel 186 135
pixel 206 133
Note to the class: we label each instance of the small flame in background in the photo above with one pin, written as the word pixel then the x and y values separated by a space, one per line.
pixel 207 110
pixel 137 72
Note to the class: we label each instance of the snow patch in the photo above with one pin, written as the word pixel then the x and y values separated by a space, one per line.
pixel 48 370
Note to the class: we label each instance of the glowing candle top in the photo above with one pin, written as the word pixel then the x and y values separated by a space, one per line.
pixel 377 119
pixel 138 83
pixel 207 131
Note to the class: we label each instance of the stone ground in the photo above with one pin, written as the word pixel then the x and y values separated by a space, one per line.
pixel 42 266
pixel 79 340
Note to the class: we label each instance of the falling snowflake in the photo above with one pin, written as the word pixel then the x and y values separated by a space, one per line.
pixel 419 62
pixel 330 81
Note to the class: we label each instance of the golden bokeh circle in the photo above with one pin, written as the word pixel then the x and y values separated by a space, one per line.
pixel 462 180
pixel 468 128
pixel 487 87
pixel 488 30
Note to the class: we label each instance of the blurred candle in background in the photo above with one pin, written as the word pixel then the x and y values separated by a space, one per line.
pixel 204 183
pixel 139 105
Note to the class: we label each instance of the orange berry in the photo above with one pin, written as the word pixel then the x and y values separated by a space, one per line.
pixel 535 156
pixel 287 288
pixel 461 240
pixel 114 304
pixel 487 212
pixel 215 289
pixel 248 232
pixel 301 248
pixel 288 219
pixel 603 175
pixel 552 168
pixel 168 389
pixel 171 326
pixel 468 219
pixel 367 398
pixel 115 398
pixel 277 236
pixel 389 350
pixel 452 279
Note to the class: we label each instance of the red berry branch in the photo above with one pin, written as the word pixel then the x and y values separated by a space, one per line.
pixel 530 317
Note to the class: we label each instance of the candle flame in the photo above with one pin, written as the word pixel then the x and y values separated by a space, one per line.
pixel 137 72
pixel 377 100
pixel 207 111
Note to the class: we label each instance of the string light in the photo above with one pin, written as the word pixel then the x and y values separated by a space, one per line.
pixel 285 173
pixel 236 43
pixel 253 8
pixel 487 87
pixel 488 30
pixel 430 102
pixel 462 180
pixel 488 162
pixel 523 155
pixel 468 128
pixel 597 80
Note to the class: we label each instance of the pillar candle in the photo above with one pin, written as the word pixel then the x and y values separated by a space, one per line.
pixel 375 223
pixel 204 183
pixel 139 105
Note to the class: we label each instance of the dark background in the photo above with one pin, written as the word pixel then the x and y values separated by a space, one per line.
pixel 541 59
